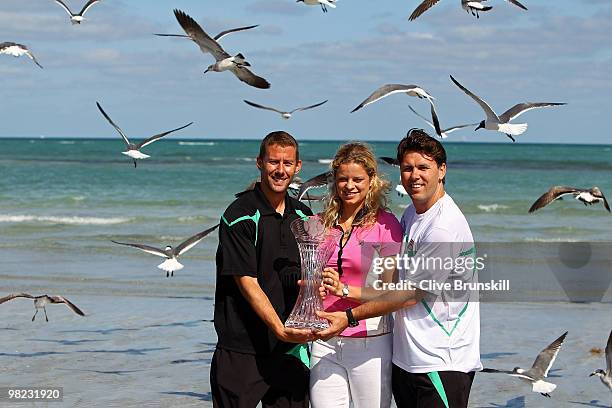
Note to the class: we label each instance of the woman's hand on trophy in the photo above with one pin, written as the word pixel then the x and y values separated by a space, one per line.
pixel 331 282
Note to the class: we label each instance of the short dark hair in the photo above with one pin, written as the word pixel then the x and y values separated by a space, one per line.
pixel 280 138
pixel 417 140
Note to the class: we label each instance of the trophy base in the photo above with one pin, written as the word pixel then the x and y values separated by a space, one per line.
pixel 316 325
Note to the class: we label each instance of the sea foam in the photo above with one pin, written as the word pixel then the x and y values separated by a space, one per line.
pixel 74 220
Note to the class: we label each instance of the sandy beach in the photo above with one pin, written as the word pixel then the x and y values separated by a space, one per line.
pixel 155 351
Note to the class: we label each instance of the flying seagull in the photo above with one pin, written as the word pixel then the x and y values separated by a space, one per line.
pixel 285 115
pixel 399 188
pixel 386 90
pixel 77 18
pixel 536 374
pixel 216 37
pixel 171 254
pixel 443 133
pixel 588 196
pixel 41 301
pixel 320 180
pixel 606 376
pixel 133 149
pixel 224 62
pixel 500 123
pixel 17 50
pixel 473 6
pixel 323 3
pixel 294 190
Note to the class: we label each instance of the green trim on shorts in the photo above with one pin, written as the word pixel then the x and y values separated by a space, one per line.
pixel 300 351
pixel 437 383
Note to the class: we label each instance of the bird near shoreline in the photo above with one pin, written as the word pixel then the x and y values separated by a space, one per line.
pixel 171 264
pixel 223 61
pixel 133 149
pixel 588 196
pixel 606 376
pixel 43 300
pixel 539 370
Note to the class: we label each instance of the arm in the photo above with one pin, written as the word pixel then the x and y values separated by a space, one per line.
pixel 332 284
pixel 387 302
pixel 250 289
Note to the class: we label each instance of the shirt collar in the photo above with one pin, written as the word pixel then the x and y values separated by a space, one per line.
pixel 264 205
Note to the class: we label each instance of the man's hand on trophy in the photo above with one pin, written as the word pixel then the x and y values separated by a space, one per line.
pixel 337 323
pixel 331 282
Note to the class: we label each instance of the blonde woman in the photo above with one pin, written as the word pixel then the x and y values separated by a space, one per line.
pixel 355 367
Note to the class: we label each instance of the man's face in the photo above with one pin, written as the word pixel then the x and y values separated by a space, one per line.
pixel 278 167
pixel 422 179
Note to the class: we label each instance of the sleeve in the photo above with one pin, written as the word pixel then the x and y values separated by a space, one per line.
pixel 433 261
pixel 238 248
pixel 391 236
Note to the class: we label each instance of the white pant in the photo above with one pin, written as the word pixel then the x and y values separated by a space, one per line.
pixel 351 369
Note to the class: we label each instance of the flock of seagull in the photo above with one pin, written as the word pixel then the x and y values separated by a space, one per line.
pixel 240 67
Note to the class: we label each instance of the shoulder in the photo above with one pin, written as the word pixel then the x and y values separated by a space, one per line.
pixel 449 214
pixel 242 206
pixel 450 224
pixel 387 220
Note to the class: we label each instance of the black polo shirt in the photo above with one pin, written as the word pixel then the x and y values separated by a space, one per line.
pixel 255 240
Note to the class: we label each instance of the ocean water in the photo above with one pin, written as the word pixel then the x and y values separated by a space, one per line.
pixel 148 337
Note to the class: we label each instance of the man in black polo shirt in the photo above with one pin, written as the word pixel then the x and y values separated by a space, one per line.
pixel 258 266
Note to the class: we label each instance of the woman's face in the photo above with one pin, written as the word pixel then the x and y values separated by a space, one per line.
pixel 352 184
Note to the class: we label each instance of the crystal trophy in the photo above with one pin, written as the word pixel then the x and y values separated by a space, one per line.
pixel 316 244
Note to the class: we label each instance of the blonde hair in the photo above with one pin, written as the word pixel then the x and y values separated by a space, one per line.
pixel 359 153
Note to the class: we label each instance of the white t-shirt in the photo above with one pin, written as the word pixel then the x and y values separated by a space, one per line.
pixel 442 332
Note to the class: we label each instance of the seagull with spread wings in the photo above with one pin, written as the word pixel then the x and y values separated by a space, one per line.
pixel 284 114
pixel 390 89
pixel 133 149
pixel 224 62
pixel 539 370
pixel 41 301
pixel 324 3
pixel 216 37
pixel 588 196
pixel 320 180
pixel 77 18
pixel 171 254
pixel 443 133
pixel 473 6
pixel 501 123
pixel 17 50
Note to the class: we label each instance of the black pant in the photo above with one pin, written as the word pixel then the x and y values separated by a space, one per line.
pixel 241 380
pixel 412 390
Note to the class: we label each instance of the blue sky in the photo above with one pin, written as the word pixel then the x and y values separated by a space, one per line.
pixel 558 51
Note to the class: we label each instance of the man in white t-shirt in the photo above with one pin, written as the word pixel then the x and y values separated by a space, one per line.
pixel 436 338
